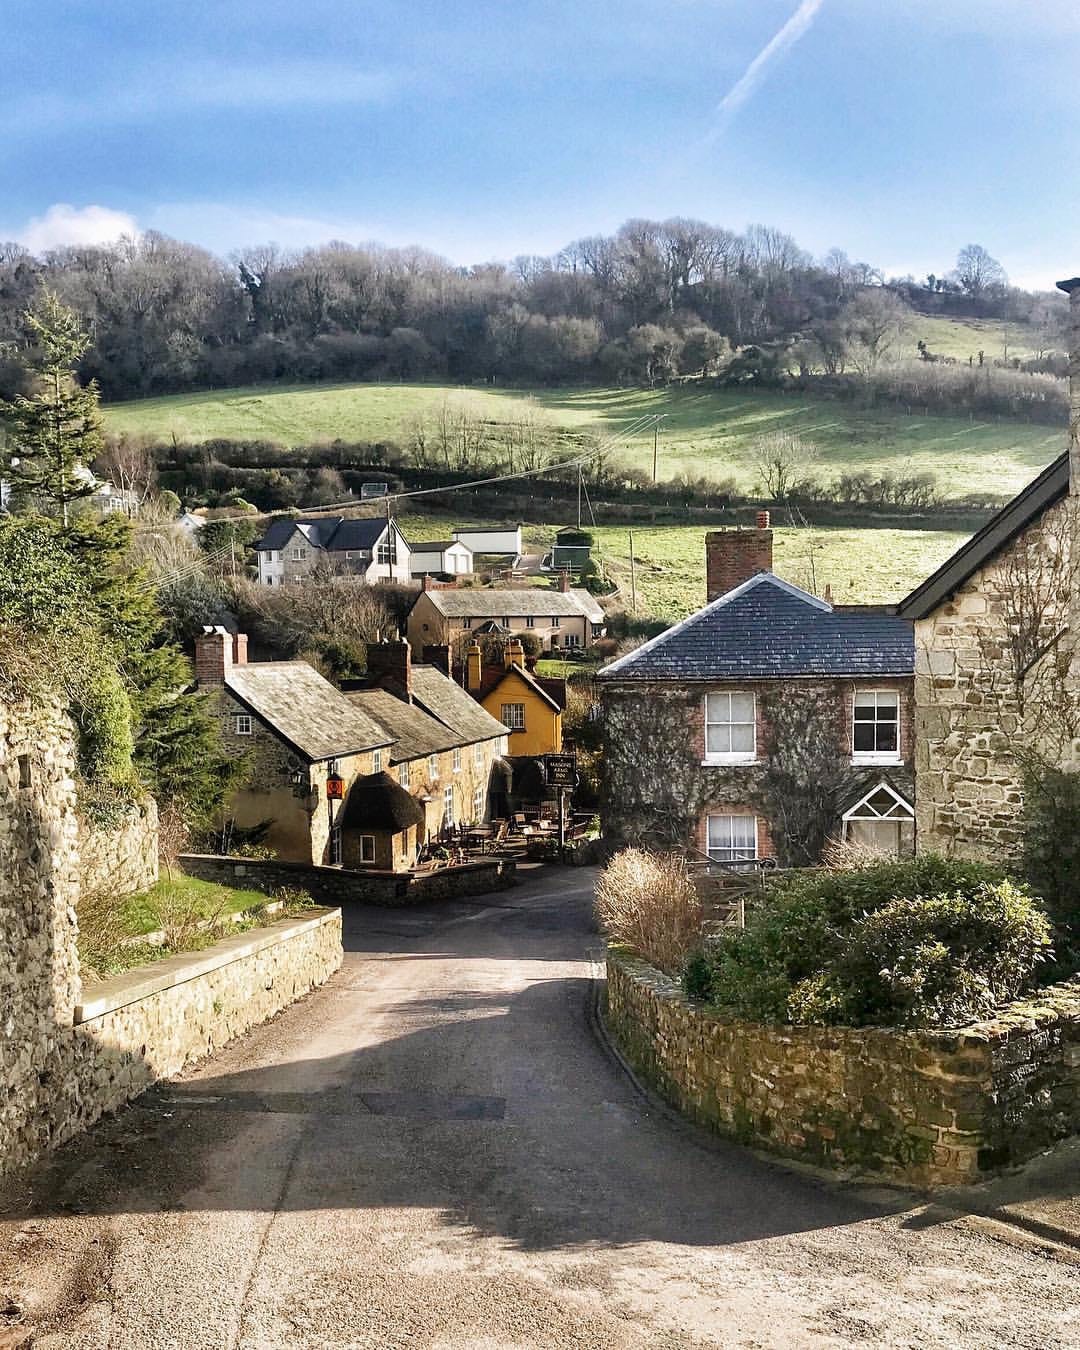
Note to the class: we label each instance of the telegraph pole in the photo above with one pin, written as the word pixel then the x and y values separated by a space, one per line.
pixel 633 576
pixel 579 472
pixel 656 442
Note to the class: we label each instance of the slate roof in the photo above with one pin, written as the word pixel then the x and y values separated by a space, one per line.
pixel 769 629
pixel 476 603
pixel 1039 495
pixel 294 700
pixel 438 695
pixel 335 533
pixel 417 734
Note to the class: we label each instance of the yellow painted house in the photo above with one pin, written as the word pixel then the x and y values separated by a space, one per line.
pixel 529 706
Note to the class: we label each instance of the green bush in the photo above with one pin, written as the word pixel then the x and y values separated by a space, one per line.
pixel 931 942
pixel 1050 858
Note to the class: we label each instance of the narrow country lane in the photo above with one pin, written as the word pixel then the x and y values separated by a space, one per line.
pixel 435 1151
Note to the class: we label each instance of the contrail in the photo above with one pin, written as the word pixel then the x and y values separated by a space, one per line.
pixel 786 37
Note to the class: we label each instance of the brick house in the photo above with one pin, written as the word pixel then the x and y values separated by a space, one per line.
pixel 995 656
pixel 764 724
pixel 565 619
pixel 371 550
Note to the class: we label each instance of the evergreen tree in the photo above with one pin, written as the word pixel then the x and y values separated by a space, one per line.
pixel 55 432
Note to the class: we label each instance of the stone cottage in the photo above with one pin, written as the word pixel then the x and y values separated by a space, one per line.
pixel 995 638
pixel 763 725
pixel 294 731
pixel 371 549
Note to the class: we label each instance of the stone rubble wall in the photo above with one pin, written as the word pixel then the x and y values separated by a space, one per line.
pixel 122 858
pixel 59 1068
pixel 339 885
pixel 968 785
pixel 926 1109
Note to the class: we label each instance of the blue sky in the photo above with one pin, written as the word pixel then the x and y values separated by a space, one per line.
pixel 898 130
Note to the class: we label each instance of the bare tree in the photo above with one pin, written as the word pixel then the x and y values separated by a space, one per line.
pixel 129 465
pixel 875 321
pixel 781 459
pixel 977 272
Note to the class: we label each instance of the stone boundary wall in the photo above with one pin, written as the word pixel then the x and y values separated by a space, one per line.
pixel 337 885
pixel 925 1108
pixel 123 858
pixel 151 1022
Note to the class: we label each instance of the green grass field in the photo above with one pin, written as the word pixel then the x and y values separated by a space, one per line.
pixel 967 337
pixel 860 566
pixel 704 432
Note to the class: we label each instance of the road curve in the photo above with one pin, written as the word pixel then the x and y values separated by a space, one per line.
pixel 434 1150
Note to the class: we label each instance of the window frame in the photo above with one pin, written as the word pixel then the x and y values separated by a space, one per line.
pixel 478 756
pixel 876 756
pixel 731 848
pixel 448 806
pixel 376 760
pixel 299 553
pixel 248 729
pixel 456 765
pixel 556 621
pixel 404 776
pixel 511 707
pixel 363 841
pixel 730 756
pixel 530 620
pixel 478 804
pixel 433 768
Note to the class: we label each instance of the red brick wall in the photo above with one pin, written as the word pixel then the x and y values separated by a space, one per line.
pixel 734 556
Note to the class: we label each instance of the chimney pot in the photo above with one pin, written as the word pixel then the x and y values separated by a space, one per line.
pixel 734 556
pixel 213 656
pixel 474 667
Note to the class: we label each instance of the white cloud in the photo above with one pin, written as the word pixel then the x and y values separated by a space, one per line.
pixel 64 224
pixel 782 41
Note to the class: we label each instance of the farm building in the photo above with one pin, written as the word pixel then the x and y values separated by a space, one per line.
pixel 572 550
pixel 505 542
pixel 436 556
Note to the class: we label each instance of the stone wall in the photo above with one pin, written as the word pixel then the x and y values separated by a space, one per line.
pixel 924 1108
pixel 121 858
pixel 338 885
pixel 968 784
pixel 66 1057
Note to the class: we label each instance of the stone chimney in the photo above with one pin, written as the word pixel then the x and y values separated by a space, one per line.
pixel 439 655
pixel 214 656
pixel 474 667
pixel 391 662
pixel 514 655
pixel 564 582
pixel 734 556
pixel 1072 290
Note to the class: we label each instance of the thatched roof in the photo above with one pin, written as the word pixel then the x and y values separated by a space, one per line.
pixel 379 802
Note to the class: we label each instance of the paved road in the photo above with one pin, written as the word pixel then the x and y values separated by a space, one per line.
pixel 435 1151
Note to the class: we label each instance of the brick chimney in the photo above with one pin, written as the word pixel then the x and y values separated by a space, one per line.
pixel 239 649
pixel 1072 290
pixel 428 582
pixel 439 655
pixel 474 667
pixel 734 556
pixel 391 663
pixel 214 656
pixel 564 582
